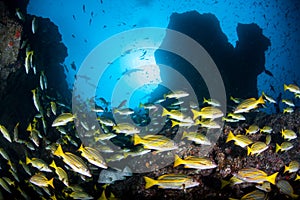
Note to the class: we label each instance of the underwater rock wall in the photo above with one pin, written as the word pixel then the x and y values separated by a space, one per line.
pixel 16 103
pixel 239 66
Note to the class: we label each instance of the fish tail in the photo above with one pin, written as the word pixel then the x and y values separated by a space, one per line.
pixel 137 139
pixel 285 87
pixel 294 196
pixel 184 134
pixel 141 105
pixel 50 182
pixel 27 160
pixel 205 100
pixel 195 113
pixel 224 183
pixel 178 161
pixel 230 137
pixel 285 169
pixel 260 100
pixel 249 151
pixel 247 131
pixel 278 147
pixel 174 123
pixel 149 182
pixel 165 112
pixel 272 178
pixel 81 148
pixel 59 151
pixel 53 164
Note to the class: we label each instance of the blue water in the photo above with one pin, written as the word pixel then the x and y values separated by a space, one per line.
pixel 83 30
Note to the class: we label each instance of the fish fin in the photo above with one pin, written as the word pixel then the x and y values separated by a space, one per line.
pixel 261 100
pixel 272 178
pixel 50 182
pixel 137 139
pixel 59 151
pixel 27 160
pixel 285 87
pixel 224 183
pixel 230 137
pixel 195 113
pixel 165 112
pixel 249 151
pixel 149 182
pixel 278 147
pixel 178 161
pixel 184 134
pixel 53 165
pixel 174 123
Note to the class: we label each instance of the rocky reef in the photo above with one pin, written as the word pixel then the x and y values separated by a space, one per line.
pixel 239 66
pixel 16 102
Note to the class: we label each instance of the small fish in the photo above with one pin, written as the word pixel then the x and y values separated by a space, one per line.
pixel 254 195
pixel 63 119
pixel 171 181
pixel 25 167
pixel 285 146
pixel 176 115
pixel 83 8
pixel 4 154
pixel 138 152
pixel 103 136
pixel 36 101
pixel 4 185
pixel 194 162
pixel 257 148
pixel 288 110
pixel 292 167
pixel 80 195
pixel 74 17
pixel 254 175
pixel 210 124
pixel 90 21
pixel 249 104
pixel 5 133
pixel 125 111
pixel 28 60
pixel 240 140
pixel 53 107
pixel 230 120
pixel 211 102
pixel 40 180
pixel 155 142
pixel 288 134
pixel 266 129
pixel 196 137
pixel 288 102
pixel 268 139
pixel 235 100
pixel 265 186
pixel 292 88
pixel 252 129
pixel 268 98
pixel 208 112
pixel 125 128
pixel 38 163
pixel 106 121
pixel 73 161
pixel 20 14
pixel 93 156
pixel 239 117
pixel 182 124
pixel 62 175
pixel 109 176
pixel 34 25
pixel 176 94
pixel 286 188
